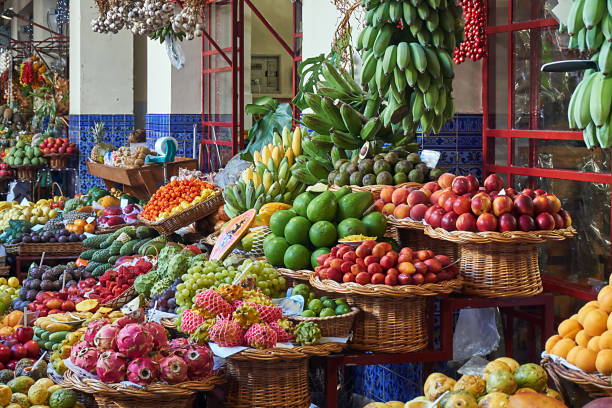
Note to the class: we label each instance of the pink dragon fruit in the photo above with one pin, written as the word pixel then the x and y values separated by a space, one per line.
pixel 84 357
pixel 137 316
pixel 199 359
pixel 143 371
pixel 173 369
pixel 92 329
pixel 111 367
pixel 226 333
pixel 77 347
pixel 180 342
pixel 281 334
pixel 105 338
pixel 261 336
pixel 157 331
pixel 134 341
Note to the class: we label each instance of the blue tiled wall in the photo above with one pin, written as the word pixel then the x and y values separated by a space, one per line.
pixel 117 132
pixel 389 382
pixel 179 126
pixel 460 145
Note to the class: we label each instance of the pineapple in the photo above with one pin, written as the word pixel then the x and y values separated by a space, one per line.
pixel 100 148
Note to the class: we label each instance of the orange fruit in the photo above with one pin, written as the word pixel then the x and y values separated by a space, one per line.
pixel 585 360
pixel 563 347
pixel 582 339
pixel 605 340
pixel 603 363
pixel 595 322
pixel 550 343
pixel 571 356
pixel 594 344
pixel 592 303
pixel 584 310
pixel 603 291
pixel 569 328
pixel 609 323
pixel 605 299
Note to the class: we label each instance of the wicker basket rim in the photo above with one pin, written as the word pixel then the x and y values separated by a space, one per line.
pixel 58 155
pixel 508 237
pixel 148 223
pixel 299 274
pixel 285 353
pixel 405 223
pixel 354 311
pixel 25 166
pixel 570 374
pixel 401 291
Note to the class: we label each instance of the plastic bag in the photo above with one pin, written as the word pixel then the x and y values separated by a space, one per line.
pixel 231 173
pixel 175 52
pixel 475 333
pixel 474 366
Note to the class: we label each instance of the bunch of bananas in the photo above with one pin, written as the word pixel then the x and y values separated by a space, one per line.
pixel 589 24
pixel 270 178
pixel 407 49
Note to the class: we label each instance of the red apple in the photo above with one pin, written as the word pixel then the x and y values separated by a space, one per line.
pixel 407 251
pixel 446 180
pixel 12 364
pixel 507 222
pixel 540 192
pixel 555 203
pixel 433 265
pixel 417 197
pixel 431 186
pixel 418 279
pixel 474 184
pixel 370 243
pixel 392 271
pixel 404 279
pixel 32 348
pixel 356 269
pixel 545 221
pixel 486 222
pixel 5 353
pixel 466 222
pixel 362 278
pixel 435 196
pixel 481 203
pixel 391 280
pixel 541 204
pixel 24 334
pixel 502 205
pixel 375 268
pixel 399 196
pixel 529 192
pixel 435 220
pixel 449 221
pixel 526 223
pixel 430 277
pixel 417 212
pixel 448 204
pixel 460 185
pixel 523 204
pixel 377 279
pixel 420 268
pixel 422 255
pixel 379 251
pixel 363 251
pixel 68 306
pixel 346 267
pixel 444 260
pixel 493 183
pixel 429 211
pixel 18 351
pixel 407 268
pixel 462 205
pixel 321 258
pixel 444 196
pixel 343 249
pixel 349 256
pixel 335 263
pixel 379 204
pixel 566 218
pixel 388 209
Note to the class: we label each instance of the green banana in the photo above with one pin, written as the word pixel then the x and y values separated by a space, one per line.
pixel 331 74
pixel 352 84
pixel 399 79
pixel 433 63
pixel 287 137
pixel 441 104
pixel 582 113
pixel 359 45
pixel 594 39
pixel 418 107
pixel 314 102
pixel 372 105
pixel 424 38
pixel 589 134
pixel 382 39
pixel 240 198
pixel 575 20
pixel 606 27
pixel 423 11
pixel 260 169
pixel 283 171
pixel 390 59
pixel 382 80
pixel 403 55
pixel 605 58
pixel 601 97
pixel 395 11
pixel 274 188
pixel 292 183
pixel 592 13
pixel 447 20
pixel 369 38
pixel 410 13
pixel 344 140
pixel 260 190
pixel 431 97
pixel 415 27
pixel 434 4
pixel 582 39
pixel 230 210
pixel 303 176
pixel 369 68
pixel 411 75
pixel 315 123
pixel 352 119
pixel 371 129
pixel 333 113
pixel 322 141
pixel 250 195
pixel 446 63
pixel 432 22
pixel 259 202
pixel 438 38
pixel 228 196
pixel 604 134
pixel 418 57
pixel 276 139
pixel 423 82
pixel 316 169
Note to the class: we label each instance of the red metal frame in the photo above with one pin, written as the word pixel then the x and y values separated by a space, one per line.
pixel 489 165
pixel 235 64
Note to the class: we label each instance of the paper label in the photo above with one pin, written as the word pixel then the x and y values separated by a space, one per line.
pixel 430 158
pixel 89 220
pixel 124 202
pixel 131 306
pixel 37 227
pixel 25 202
pixel 502 192
pixel 156 315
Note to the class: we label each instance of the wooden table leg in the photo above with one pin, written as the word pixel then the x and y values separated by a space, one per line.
pixel 331 382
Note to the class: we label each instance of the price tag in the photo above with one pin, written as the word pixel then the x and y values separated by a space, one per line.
pixel 502 192
pixel 89 220
pixel 24 202
pixel 292 306
pixel 124 202
pixel 37 227
pixel 131 306
pixel 430 158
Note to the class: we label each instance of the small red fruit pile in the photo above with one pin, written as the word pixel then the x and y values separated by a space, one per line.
pixel 52 145
pixel 459 203
pixel 17 346
pixel 116 281
pixel 48 303
pixel 5 170
pixel 378 264
pixel 474 45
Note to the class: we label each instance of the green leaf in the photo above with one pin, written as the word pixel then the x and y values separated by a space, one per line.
pixel 262 132
pixel 309 72
pixel 261 106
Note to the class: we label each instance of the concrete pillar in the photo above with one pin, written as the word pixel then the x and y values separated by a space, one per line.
pixel 101 84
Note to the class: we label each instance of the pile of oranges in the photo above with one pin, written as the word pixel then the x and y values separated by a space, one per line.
pixel 176 196
pixel 585 339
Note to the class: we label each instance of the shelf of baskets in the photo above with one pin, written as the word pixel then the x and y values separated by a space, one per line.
pixel 393 319
pixel 276 377
pixel 500 264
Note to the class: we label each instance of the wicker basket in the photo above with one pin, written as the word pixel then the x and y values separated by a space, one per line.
pixel 58 160
pixel 122 299
pixel 153 396
pixel 66 249
pixel 272 378
pixel 108 230
pixel 393 318
pixel 375 189
pixel 294 277
pixel 26 173
pixel 411 235
pixel 181 219
pixel 500 264
pixel 594 384
pixel 332 326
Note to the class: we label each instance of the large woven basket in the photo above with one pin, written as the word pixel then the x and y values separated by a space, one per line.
pixel 332 326
pixel 294 277
pixel 411 235
pixel 111 229
pixel 153 396
pixel 58 160
pixel 122 299
pixel 272 378
pixel 594 384
pixel 183 218
pixel 66 249
pixel 375 189
pixel 26 173
pixel 500 264
pixel 393 318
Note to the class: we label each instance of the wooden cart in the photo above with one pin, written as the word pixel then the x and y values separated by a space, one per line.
pixel 140 182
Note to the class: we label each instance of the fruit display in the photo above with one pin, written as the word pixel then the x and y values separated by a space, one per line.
pixel 460 203
pixel 176 196
pixel 100 148
pixel 60 145
pixel 18 346
pixel 62 236
pixel 232 316
pixel 395 167
pixel 125 158
pixel 270 178
pixel 166 300
pixel 138 351
pixel 474 44
pixel 319 307
pixel 114 282
pixel 589 24
pixel 504 383
pixel 314 224
pixel 10 322
pixel 51 331
pixel 9 290
pixel 116 215
pixel 211 274
pixel 23 391
pixel 81 226
pixel 104 251
pixel 585 339
pixel 35 213
pixel 378 264
pixel 22 154
pixel 406 52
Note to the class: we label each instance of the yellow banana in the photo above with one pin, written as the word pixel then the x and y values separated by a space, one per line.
pixel 289 155
pixel 276 156
pixel 256 180
pixel 296 142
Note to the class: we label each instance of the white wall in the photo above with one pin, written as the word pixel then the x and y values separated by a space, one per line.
pixel 159 76
pixel 40 10
pixel 101 66
pixel 186 87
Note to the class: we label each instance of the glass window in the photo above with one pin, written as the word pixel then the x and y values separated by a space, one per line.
pixel 498 82
pixel 498 12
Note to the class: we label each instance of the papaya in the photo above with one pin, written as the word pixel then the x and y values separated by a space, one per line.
pixel 353 205
pixel 322 208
